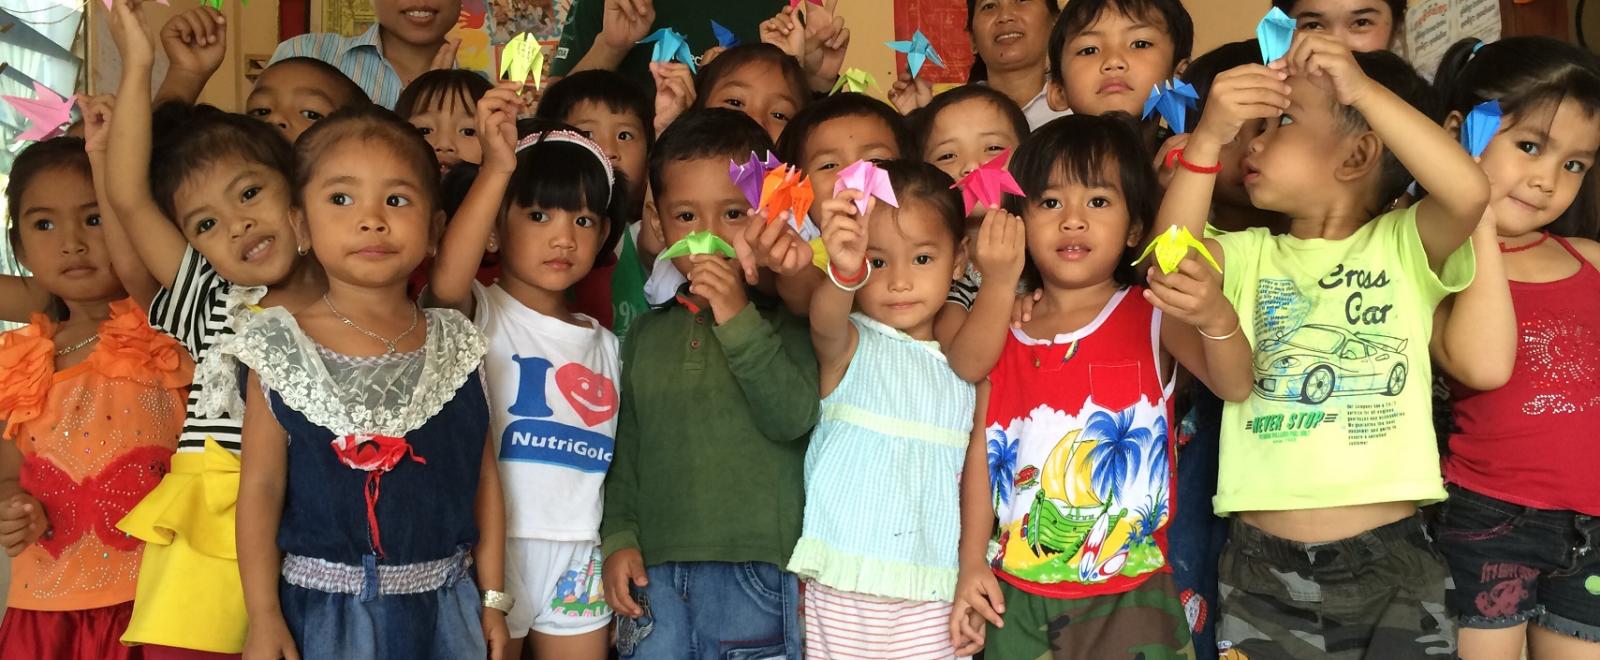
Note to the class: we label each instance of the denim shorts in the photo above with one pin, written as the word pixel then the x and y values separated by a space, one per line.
pixel 715 611
pixel 1515 564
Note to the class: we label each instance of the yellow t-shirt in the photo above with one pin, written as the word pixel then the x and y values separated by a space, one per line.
pixel 1341 412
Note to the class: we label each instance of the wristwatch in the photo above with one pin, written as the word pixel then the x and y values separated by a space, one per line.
pixel 499 600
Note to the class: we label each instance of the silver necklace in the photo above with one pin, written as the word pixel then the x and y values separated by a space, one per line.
pixel 78 346
pixel 387 343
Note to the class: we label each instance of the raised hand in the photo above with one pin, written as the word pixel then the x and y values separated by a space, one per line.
pixel 445 59
pixel 1239 95
pixel 1001 248
pixel 844 232
pixel 195 41
pixel 674 92
pixel 773 245
pixel 717 279
pixel 908 94
pixel 96 121
pixel 625 22
pixel 1328 62
pixel 497 127
pixel 129 33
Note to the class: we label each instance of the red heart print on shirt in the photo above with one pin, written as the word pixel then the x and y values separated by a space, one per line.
pixel 592 395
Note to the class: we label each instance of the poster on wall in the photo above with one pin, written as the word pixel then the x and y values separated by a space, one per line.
pixel 944 23
pixel 1432 26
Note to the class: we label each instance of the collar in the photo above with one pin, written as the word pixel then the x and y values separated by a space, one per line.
pixel 368 39
pixel 761 300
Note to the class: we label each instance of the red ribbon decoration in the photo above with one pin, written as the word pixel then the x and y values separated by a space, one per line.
pixel 375 455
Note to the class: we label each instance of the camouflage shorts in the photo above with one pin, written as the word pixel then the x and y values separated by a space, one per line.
pixel 1146 623
pixel 1379 594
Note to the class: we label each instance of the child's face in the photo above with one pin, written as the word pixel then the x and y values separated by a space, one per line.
pixel 1297 157
pixel 418 22
pixel 1112 64
pixel 620 136
pixel 760 91
pixel 1077 233
pixel 235 212
pixel 836 144
pixel 367 220
pixel 697 195
pixel 293 96
pixel 966 135
pixel 1230 181
pixel 60 241
pixel 913 259
pixel 1537 164
pixel 1011 34
pixel 1363 25
pixel 452 130
pixel 549 248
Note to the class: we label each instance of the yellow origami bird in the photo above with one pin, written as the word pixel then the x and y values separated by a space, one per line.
pixel 1171 246
pixel 522 57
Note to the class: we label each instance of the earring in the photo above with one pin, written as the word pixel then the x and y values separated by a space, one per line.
pixel 302 250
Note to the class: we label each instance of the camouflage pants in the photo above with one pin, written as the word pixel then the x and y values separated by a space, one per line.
pixel 1375 596
pixel 1146 623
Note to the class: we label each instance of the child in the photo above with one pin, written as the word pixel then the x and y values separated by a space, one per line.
pixel 562 210
pixel 67 471
pixel 1363 25
pixel 1106 55
pixel 759 80
pixel 407 40
pixel 363 422
pixel 834 132
pixel 1340 313
pixel 1072 451
pixel 879 579
pixel 441 104
pixel 719 389
pixel 1519 528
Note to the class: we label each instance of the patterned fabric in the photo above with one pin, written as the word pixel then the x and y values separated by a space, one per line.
pixel 848 626
pixel 1145 623
pixel 359 57
pixel 328 577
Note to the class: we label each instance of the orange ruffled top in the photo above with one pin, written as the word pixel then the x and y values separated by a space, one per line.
pixel 95 438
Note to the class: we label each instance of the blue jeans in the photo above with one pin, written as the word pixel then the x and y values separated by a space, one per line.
pixel 721 611
pixel 1195 535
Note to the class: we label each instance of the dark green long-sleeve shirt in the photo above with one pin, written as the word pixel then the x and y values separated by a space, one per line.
pixel 710 450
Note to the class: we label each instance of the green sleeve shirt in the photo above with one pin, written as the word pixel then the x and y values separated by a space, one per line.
pixel 690 17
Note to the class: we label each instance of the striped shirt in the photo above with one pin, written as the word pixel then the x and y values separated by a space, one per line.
pixel 360 57
pixel 194 311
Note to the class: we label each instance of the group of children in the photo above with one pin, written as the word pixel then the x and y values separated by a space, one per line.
pixel 326 380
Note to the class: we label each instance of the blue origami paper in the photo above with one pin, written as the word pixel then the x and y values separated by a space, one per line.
pixel 1172 100
pixel 1275 32
pixel 670 45
pixel 918 50
pixel 725 37
pixel 1480 126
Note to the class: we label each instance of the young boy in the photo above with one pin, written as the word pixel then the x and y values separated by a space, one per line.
pixel 1324 466
pixel 1106 55
pixel 407 41
pixel 719 392
pixel 1363 25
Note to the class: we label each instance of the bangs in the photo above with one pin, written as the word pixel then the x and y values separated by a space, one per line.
pixel 439 90
pixel 559 175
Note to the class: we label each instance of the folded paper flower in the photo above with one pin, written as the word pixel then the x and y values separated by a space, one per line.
pixel 699 242
pixel 1275 33
pixel 1480 127
pixel 1172 100
pixel 868 178
pixel 522 57
pixel 750 175
pixel 47 113
pixel 787 189
pixel 670 45
pixel 918 50
pixel 854 80
pixel 986 184
pixel 725 37
pixel 1171 246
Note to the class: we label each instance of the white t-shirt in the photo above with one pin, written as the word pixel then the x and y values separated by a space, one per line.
pixel 553 407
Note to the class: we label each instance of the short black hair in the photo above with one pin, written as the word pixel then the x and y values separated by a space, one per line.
pixel 1397 10
pixel 737 57
pixel 436 89
pixel 922 119
pixel 342 83
pixel 186 139
pixel 707 133
pixel 368 122
pixel 607 88
pixel 1396 74
pixel 1082 148
pixel 792 144
pixel 1204 69
pixel 566 176
pixel 980 70
pixel 1080 14
pixel 914 179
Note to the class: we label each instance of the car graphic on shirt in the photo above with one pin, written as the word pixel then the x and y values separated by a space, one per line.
pixel 1314 362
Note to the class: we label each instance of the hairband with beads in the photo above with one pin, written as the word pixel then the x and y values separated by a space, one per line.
pixel 571 137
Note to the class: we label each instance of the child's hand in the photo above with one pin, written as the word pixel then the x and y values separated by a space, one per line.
pixel 1022 309
pixel 96 121
pixel 826 40
pixel 710 54
pixel 909 94
pixel 497 127
pixel 784 31
pixel 1193 294
pixel 1329 62
pixel 445 58
pixel 674 92
pixel 773 245
pixel 495 634
pixel 718 280
pixel 22 521
pixel 1001 248
pixel 128 33
pixel 844 232
pixel 195 41
pixel 1239 95
pixel 269 640
pixel 621 570
pixel 1165 170
pixel 626 22
pixel 977 600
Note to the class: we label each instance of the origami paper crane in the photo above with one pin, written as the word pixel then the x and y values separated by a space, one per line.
pixel 699 242
pixel 787 189
pixel 1480 126
pixel 854 80
pixel 522 57
pixel 1172 100
pixel 868 178
pixel 918 50
pixel 985 184
pixel 670 45
pixel 1171 246
pixel 1275 32
pixel 725 37
pixel 46 113
pixel 750 175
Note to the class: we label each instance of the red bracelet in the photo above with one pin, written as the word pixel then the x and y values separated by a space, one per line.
pixel 850 281
pixel 1176 156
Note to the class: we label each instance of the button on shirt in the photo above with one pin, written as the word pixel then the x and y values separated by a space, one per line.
pixel 359 57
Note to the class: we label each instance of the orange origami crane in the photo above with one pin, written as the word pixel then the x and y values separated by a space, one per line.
pixel 787 189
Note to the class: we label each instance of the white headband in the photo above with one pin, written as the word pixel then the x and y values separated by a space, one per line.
pixel 578 139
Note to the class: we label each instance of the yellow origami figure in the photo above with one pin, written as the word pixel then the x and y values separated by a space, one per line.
pixel 522 57
pixel 1171 246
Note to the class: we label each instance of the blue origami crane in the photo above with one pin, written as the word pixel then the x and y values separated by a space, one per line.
pixel 1172 100
pixel 1480 126
pixel 918 50
pixel 725 37
pixel 670 45
pixel 1275 32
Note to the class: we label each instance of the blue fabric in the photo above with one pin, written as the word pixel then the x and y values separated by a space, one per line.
pixel 359 57
pixel 721 611
pixel 1196 535
pixel 439 624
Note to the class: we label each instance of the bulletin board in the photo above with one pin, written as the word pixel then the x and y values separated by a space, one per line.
pixel 944 23
pixel 483 27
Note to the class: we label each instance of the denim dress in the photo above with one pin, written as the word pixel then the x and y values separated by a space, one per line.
pixel 383 460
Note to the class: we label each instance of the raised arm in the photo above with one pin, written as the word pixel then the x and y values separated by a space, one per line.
pixel 844 233
pixel 461 249
pixel 1001 250
pixel 263 475
pixel 136 279
pixel 195 42
pixel 623 23
pixel 1475 331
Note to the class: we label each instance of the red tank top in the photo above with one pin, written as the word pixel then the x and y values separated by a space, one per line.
pixel 1528 442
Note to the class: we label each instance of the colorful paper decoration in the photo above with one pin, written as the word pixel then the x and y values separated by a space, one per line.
pixel 1480 127
pixel 751 175
pixel 918 50
pixel 521 57
pixel 670 45
pixel 787 189
pixel 725 37
pixel 700 242
pixel 796 3
pixel 1172 100
pixel 1275 33
pixel 985 184
pixel 854 80
pixel 47 113
pixel 868 178
pixel 1171 246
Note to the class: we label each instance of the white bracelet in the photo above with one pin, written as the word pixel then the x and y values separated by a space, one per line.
pixel 854 287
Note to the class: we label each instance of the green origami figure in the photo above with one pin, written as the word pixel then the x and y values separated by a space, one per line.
pixel 854 80
pixel 1171 246
pixel 522 57
pixel 700 242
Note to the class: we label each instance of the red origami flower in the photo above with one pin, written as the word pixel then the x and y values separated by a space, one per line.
pixel 375 455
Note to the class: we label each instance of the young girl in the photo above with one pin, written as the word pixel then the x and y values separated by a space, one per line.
pixel 365 468
pixel 1520 528
pixel 1072 452
pixel 90 403
pixel 441 105
pixel 563 209
pixel 759 80
pixel 211 223
pixel 880 578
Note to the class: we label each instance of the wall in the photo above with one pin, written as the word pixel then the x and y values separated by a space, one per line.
pixel 252 33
